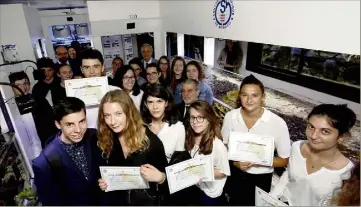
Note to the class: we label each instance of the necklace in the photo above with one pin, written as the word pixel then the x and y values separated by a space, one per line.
pixel 313 166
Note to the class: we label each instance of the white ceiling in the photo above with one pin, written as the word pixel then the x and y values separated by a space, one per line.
pixel 47 3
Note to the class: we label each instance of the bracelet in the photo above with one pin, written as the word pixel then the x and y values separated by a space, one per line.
pixel 165 177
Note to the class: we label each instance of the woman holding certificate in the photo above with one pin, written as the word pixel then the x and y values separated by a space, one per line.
pixel 163 120
pixel 252 134
pixel 130 147
pixel 204 138
pixel 125 79
pixel 317 168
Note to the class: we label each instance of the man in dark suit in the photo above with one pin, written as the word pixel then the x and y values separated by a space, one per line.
pixel 62 55
pixel 147 54
pixel 190 93
pixel 67 170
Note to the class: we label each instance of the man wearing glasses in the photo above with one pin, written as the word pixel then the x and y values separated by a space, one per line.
pixel 153 74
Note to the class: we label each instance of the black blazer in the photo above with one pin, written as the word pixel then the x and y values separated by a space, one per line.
pixel 72 189
pixel 154 155
pixel 183 117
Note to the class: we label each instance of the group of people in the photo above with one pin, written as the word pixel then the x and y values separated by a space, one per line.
pixel 155 112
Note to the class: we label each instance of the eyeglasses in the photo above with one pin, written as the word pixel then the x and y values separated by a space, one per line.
pixel 200 119
pixel 128 78
pixel 152 74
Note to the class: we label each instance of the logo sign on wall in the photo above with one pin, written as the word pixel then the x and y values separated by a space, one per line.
pixel 223 13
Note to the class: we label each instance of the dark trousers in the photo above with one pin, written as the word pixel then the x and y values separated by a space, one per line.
pixel 242 186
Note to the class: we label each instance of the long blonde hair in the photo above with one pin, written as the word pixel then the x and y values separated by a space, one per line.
pixel 134 131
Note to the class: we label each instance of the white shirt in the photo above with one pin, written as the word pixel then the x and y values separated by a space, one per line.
pixel 173 138
pixel 303 189
pixel 137 99
pixel 149 62
pixel 49 98
pixel 269 124
pixel 220 160
pixel 92 112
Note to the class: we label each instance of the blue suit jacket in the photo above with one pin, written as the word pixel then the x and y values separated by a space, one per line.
pixel 78 190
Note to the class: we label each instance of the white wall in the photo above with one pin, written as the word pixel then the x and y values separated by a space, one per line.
pixel 114 10
pixel 58 17
pixel 14 30
pixel 34 24
pixel 111 18
pixel 323 25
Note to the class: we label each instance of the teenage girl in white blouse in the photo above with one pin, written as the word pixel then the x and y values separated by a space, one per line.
pixel 204 138
pixel 317 168
pixel 158 111
pixel 251 117
pixel 126 80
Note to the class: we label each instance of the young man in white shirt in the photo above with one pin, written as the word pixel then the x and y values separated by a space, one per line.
pixel 92 65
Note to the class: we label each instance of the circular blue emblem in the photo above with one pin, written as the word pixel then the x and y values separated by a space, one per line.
pixel 223 13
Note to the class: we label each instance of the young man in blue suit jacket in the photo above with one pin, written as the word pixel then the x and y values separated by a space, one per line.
pixel 67 170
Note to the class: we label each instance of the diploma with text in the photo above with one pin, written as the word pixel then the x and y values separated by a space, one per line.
pixel 123 178
pixel 254 148
pixel 190 172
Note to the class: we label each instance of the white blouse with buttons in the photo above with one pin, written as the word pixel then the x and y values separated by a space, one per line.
pixel 269 124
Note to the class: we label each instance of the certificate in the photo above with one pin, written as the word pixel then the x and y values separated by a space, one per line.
pixel 89 90
pixel 254 148
pixel 123 178
pixel 189 172
pixel 265 199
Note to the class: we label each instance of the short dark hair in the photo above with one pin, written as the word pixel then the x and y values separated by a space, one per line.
pixel 338 116
pixel 118 58
pixel 68 105
pixel 138 62
pixel 171 115
pixel 45 62
pixel 248 80
pixel 92 54
pixel 18 76
pixel 153 65
pixel 119 75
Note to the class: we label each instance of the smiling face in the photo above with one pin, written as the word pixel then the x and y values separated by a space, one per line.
pixel 320 134
pixel 128 80
pixel 115 117
pixel 198 122
pixel 192 72
pixel 147 53
pixel 24 85
pixel 92 68
pixel 178 67
pixel 156 106
pixel 72 53
pixel 73 127
pixel 65 73
pixel 152 75
pixel 252 97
